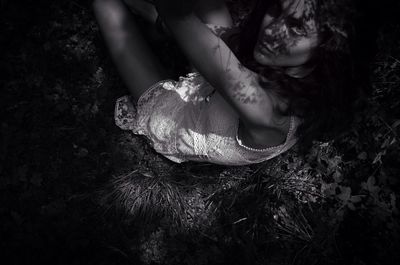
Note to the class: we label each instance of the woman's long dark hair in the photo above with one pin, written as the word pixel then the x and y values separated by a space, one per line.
pixel 324 99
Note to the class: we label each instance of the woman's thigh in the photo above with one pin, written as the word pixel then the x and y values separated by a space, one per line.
pixel 136 63
pixel 209 11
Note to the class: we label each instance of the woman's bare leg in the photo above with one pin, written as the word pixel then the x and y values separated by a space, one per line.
pixel 209 11
pixel 137 65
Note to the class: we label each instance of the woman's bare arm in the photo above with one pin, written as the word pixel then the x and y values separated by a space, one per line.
pixel 217 63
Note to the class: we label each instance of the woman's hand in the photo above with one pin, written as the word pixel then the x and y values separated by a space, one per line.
pixel 175 8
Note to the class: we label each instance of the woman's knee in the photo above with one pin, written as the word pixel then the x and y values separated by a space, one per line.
pixel 111 15
pixel 107 6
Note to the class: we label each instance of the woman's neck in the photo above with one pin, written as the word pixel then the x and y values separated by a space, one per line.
pixel 300 71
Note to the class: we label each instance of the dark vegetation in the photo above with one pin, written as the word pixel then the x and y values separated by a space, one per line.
pixel 75 189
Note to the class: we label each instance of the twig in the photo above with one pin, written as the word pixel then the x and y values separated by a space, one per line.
pixel 240 220
pixel 388 126
pixel 394 58
pixel 297 254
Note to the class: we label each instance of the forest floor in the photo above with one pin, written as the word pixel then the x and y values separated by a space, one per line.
pixel 75 189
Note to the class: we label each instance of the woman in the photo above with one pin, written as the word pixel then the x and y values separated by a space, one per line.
pixel 289 80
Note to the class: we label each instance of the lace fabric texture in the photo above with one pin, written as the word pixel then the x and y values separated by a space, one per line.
pixel 187 120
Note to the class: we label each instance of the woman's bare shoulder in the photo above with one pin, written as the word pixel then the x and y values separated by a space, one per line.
pixel 271 126
pixel 266 136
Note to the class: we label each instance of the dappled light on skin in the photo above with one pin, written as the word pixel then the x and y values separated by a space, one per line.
pixel 245 84
pixel 288 34
pixel 337 205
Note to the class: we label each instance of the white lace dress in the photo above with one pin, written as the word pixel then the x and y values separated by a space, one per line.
pixel 187 120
